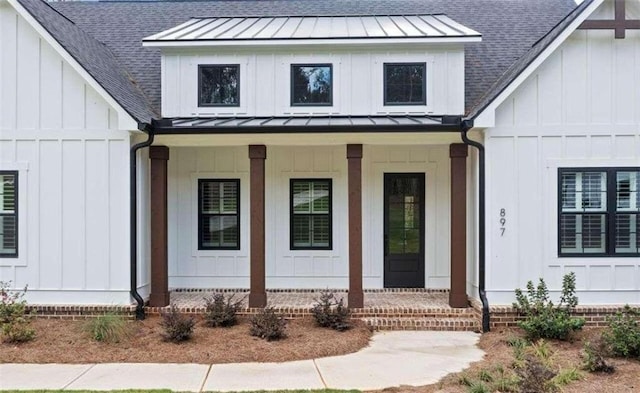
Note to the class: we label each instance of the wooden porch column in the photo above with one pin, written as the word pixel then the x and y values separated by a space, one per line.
pixel 354 159
pixel 257 292
pixel 458 294
pixel 159 155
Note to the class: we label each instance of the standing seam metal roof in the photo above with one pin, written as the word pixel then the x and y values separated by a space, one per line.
pixel 509 28
pixel 315 27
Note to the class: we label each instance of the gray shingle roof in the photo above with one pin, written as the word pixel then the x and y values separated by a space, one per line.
pixel 95 58
pixel 509 28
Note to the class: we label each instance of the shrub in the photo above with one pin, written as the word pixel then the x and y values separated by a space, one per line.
pixel 220 311
pixel 331 313
pixel 268 324
pixel 543 319
pixel 622 337
pixel 535 377
pixel 593 359
pixel 109 328
pixel 177 326
pixel 14 319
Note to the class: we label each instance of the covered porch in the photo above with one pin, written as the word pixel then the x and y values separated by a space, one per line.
pixel 361 168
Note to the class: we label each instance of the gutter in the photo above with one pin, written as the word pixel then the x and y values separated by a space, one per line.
pixel 133 216
pixel 465 126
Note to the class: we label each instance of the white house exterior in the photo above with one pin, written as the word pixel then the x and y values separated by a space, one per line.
pixel 244 178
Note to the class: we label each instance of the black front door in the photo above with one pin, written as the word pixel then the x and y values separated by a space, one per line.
pixel 404 230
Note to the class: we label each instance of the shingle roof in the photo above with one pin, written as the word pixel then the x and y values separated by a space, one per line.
pixel 509 28
pixel 523 62
pixel 95 58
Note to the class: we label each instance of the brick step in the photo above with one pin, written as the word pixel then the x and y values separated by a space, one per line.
pixel 414 313
pixel 446 324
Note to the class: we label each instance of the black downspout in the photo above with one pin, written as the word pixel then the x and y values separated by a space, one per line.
pixel 133 217
pixel 466 125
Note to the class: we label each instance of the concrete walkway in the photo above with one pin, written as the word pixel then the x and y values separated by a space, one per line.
pixel 392 359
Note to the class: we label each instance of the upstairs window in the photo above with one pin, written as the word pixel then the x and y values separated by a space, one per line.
pixel 311 214
pixel 599 212
pixel 311 84
pixel 219 85
pixel 219 214
pixel 405 84
pixel 8 214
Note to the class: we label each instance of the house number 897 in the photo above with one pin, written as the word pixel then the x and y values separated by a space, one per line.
pixel 503 221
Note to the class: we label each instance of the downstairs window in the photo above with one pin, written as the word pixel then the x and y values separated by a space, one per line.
pixel 311 214
pixel 219 214
pixel 599 212
pixel 8 214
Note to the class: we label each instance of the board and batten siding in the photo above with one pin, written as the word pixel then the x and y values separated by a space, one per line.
pixel 581 108
pixel 62 138
pixel 265 80
pixel 286 268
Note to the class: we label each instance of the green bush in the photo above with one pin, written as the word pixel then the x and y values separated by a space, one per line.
pixel 622 337
pixel 268 324
pixel 177 326
pixel 328 312
pixel 109 328
pixel 593 358
pixel 14 319
pixel 542 318
pixel 220 311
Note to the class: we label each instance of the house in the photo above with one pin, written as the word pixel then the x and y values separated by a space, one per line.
pixel 469 146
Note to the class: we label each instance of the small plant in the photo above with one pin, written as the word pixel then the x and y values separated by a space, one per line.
pixel 329 312
pixel 535 377
pixel 478 387
pixel 543 351
pixel 464 380
pixel 109 328
pixel 177 326
pixel 543 319
pixel 485 376
pixel 268 325
pixel 593 359
pixel 505 382
pixel 220 311
pixel 622 337
pixel 567 376
pixel 14 319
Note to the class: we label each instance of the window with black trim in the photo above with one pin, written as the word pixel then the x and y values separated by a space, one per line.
pixel 219 85
pixel 218 214
pixel 311 84
pixel 311 214
pixel 405 83
pixel 8 214
pixel 599 212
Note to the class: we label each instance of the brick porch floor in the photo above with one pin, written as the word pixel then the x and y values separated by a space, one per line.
pixel 383 309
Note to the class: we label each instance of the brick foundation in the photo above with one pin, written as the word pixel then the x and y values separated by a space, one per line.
pixel 507 316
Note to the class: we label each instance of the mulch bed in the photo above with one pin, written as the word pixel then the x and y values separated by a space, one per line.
pixel 62 341
pixel 626 378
